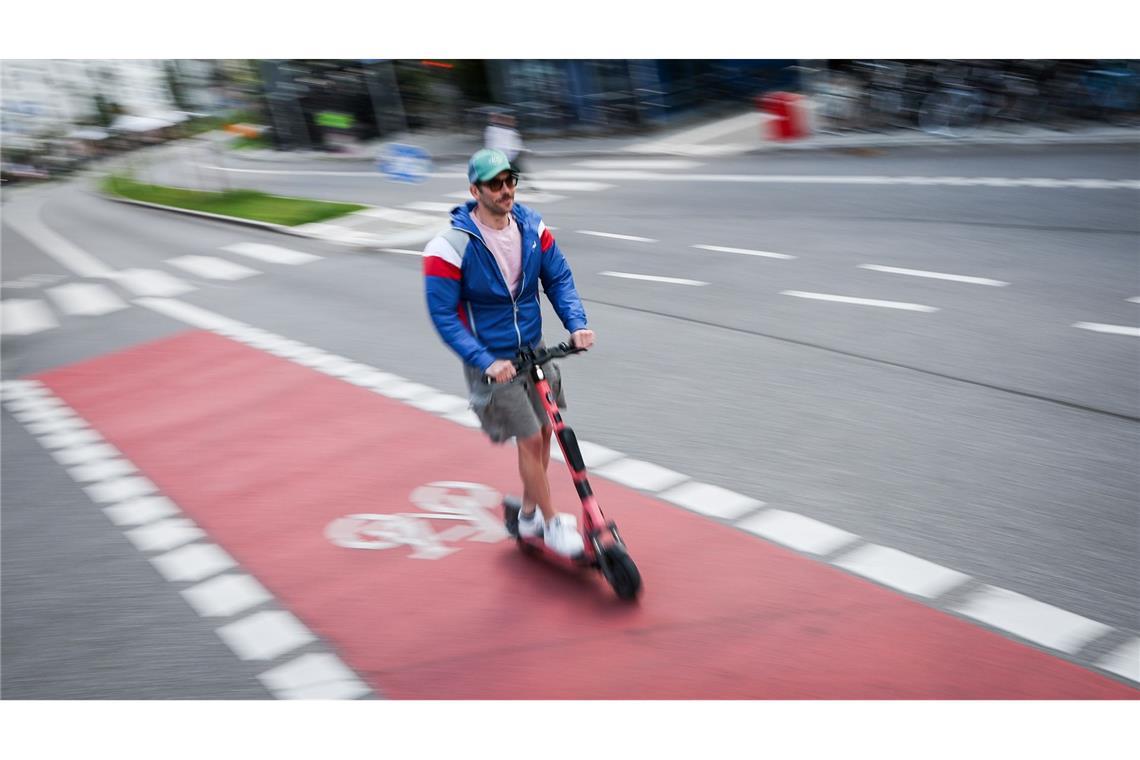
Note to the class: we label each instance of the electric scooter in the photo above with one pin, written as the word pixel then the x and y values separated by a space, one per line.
pixel 604 549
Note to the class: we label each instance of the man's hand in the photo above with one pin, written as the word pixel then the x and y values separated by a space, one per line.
pixel 501 371
pixel 582 338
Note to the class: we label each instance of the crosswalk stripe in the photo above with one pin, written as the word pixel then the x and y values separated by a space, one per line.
pixel 212 268
pixel 648 164
pixel 24 316
pixel 429 206
pixel 85 299
pixel 152 282
pixel 271 253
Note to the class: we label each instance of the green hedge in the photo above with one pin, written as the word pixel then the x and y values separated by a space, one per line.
pixel 244 204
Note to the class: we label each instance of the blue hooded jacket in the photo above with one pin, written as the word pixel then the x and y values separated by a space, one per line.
pixel 469 301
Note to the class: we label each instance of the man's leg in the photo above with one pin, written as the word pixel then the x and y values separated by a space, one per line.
pixel 534 457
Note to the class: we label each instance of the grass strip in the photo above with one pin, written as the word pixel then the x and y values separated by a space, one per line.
pixel 244 204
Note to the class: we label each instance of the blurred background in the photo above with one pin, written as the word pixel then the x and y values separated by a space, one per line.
pixel 59 114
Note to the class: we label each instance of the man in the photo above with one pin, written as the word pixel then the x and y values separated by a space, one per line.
pixel 502 134
pixel 482 278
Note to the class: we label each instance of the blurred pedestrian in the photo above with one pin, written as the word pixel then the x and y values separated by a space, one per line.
pixel 482 280
pixel 502 134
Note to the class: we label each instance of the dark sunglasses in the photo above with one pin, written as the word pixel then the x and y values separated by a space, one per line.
pixel 496 184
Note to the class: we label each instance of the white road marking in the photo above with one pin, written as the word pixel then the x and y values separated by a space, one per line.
pixel 44 414
pixel 85 453
pixel 404 251
pixel 226 595
pixel 1135 299
pixel 151 282
pixel 101 470
pixel 30 225
pixel 120 489
pixel 164 535
pixel 1030 619
pixel 744 251
pixel 68 439
pixel 441 403
pixel 1111 329
pixel 592 454
pixel 469 419
pixel 56 426
pixel 192 315
pixel 654 278
pixel 1123 661
pixel 140 511
pixel 647 164
pixel 707 132
pixel 35 404
pixel 531 197
pixel 25 316
pixel 85 299
pixel 564 186
pixel 902 571
pixel 212 268
pixel 405 391
pixel 859 301
pixel 397 215
pixel 21 389
pixel 265 635
pixel 313 676
pixel 711 500
pixel 192 563
pixel 935 275
pixel 430 206
pixel 641 475
pixel 801 533
pixel 616 236
pixel 274 254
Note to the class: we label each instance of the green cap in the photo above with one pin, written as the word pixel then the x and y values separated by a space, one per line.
pixel 485 164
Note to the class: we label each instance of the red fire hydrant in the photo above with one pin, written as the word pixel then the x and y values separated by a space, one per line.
pixel 789 117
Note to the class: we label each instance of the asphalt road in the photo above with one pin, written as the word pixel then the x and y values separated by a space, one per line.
pixel 986 433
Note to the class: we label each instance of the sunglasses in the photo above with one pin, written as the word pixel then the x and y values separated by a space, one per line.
pixel 496 184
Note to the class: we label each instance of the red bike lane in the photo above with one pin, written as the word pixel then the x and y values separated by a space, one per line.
pixel 264 455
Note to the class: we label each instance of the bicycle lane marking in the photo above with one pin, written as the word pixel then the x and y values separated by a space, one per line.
pixel 264 455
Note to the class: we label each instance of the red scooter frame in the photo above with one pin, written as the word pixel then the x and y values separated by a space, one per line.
pixel 604 549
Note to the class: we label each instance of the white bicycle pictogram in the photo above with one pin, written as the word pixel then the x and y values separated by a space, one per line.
pixel 467 505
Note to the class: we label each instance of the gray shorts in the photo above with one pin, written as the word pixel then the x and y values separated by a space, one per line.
pixel 514 408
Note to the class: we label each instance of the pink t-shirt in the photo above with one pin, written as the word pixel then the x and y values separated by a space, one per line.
pixel 506 244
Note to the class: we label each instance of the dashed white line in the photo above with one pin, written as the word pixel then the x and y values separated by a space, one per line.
pixel 192 563
pixel 1030 619
pixel 405 251
pixel 711 500
pixel 799 532
pixel 226 595
pixel 164 535
pixel 744 251
pixel 150 282
pixel 85 299
pixel 616 236
pixel 140 511
pixel 1111 329
pixel 859 301
pixel 654 278
pixel 212 268
pixel 1134 299
pixel 647 164
pixel 101 470
pixel 120 489
pixel 641 475
pixel 901 570
pixel 430 206
pixel 313 676
pixel 25 316
pixel 935 275
pixel 1124 660
pixel 592 454
pixel 271 253
pixel 265 635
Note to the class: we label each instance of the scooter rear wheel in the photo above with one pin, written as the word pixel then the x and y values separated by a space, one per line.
pixel 621 572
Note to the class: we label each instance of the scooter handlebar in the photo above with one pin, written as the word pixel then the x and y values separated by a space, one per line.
pixel 525 359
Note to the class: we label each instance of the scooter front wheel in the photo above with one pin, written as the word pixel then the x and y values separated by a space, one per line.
pixel 621 572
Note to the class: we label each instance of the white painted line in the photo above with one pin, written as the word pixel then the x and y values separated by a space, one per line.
pixel 313 676
pixel 69 439
pixel 398 216
pixel 85 299
pixel 902 571
pixel 34 404
pixel 616 236
pixel 1123 661
pixel 530 197
pixel 549 183
pixel 152 282
pixel 265 635
pixel 164 535
pixel 441 403
pixel 404 251
pixel 101 470
pixel 467 419
pixel 592 454
pixel 430 206
pixel 744 251
pixel 25 316
pixel 49 414
pixel 56 426
pixel 834 179
pixel 641 475
pixel 1111 329
pixel 654 278
pixel 192 315
pixel 405 391
pixel 1134 299
pixel 798 532
pixel 644 164
pixel 859 301
pixel 377 381
pixel 710 500
pixel 212 268
pixel 226 595
pixel 30 225
pixel 141 511
pixel 272 253
pixel 84 453
pixel 935 275
pixel 1030 619
pixel 20 389
pixel 192 563
pixel 120 490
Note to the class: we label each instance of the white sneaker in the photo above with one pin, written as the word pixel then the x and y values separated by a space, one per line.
pixel 531 526
pixel 562 536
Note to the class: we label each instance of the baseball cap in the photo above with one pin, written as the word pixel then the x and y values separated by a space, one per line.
pixel 485 164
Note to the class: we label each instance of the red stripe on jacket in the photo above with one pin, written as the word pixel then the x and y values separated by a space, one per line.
pixel 547 240
pixel 434 266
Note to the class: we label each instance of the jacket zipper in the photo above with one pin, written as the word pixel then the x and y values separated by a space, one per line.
pixel 507 285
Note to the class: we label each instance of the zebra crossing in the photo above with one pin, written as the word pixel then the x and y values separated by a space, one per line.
pixel 26 315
